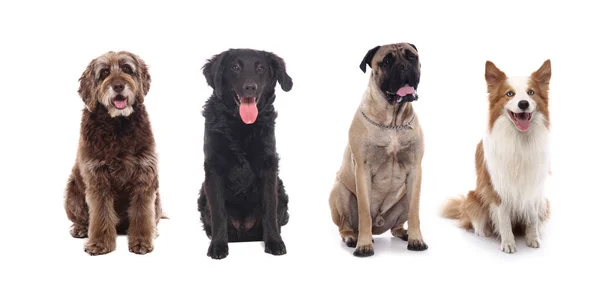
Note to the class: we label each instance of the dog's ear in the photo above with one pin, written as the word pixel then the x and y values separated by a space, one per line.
pixel 86 87
pixel 415 47
pixel 278 67
pixel 213 71
pixel 543 74
pixel 144 75
pixel 367 59
pixel 493 75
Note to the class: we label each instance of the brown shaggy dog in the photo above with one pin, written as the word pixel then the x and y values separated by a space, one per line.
pixel 113 187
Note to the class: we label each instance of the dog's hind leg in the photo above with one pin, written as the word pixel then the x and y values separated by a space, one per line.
pixel 282 205
pixel 400 232
pixel 75 205
pixel 205 217
pixel 344 209
pixel 473 214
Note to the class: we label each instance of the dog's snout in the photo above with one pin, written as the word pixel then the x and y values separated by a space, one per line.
pixel 119 87
pixel 523 104
pixel 402 67
pixel 250 87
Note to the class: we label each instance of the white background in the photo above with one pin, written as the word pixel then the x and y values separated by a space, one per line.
pixel 46 45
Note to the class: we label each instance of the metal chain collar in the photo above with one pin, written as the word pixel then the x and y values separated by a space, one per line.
pixel 395 127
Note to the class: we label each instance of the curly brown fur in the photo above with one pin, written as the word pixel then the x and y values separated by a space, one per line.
pixel 113 187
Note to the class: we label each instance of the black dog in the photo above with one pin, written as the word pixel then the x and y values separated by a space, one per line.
pixel 242 197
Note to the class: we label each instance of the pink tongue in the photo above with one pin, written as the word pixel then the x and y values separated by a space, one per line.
pixel 523 124
pixel 120 104
pixel 248 110
pixel 405 90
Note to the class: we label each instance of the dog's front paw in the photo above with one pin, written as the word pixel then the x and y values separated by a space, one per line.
pixel 140 246
pixel 417 245
pixel 218 250
pixel 508 246
pixel 79 231
pixel 275 247
pixel 98 247
pixel 364 250
pixel 533 242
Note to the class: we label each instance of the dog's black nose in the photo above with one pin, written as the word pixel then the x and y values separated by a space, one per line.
pixel 250 87
pixel 118 87
pixel 523 104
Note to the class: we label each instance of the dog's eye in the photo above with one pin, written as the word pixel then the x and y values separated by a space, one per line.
pixel 127 69
pixel 235 67
pixel 530 92
pixel 104 73
pixel 387 61
pixel 260 68
pixel 510 93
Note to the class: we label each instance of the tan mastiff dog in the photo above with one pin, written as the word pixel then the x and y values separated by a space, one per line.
pixel 379 183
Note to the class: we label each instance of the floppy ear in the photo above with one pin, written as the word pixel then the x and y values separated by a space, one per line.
pixel 278 66
pixel 213 72
pixel 145 78
pixel 86 87
pixel 493 75
pixel 543 74
pixel 368 58
pixel 415 47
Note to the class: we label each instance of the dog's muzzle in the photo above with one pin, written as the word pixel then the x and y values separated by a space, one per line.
pixel 394 98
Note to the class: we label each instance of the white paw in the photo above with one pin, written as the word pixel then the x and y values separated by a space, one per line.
pixel 533 242
pixel 508 247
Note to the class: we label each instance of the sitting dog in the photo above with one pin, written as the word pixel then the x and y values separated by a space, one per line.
pixel 512 161
pixel 379 183
pixel 242 197
pixel 113 187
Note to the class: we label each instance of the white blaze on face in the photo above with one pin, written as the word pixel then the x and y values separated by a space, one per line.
pixel 520 86
pixel 520 117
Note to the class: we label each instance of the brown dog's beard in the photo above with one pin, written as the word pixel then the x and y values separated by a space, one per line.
pixel 109 95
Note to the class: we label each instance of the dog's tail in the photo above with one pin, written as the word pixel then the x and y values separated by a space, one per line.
pixel 452 209
pixel 465 209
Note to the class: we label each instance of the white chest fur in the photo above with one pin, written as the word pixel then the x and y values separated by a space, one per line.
pixel 518 164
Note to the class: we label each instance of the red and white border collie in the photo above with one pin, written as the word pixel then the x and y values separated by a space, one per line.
pixel 512 161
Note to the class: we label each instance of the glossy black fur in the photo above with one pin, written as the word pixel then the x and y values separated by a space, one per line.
pixel 242 197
